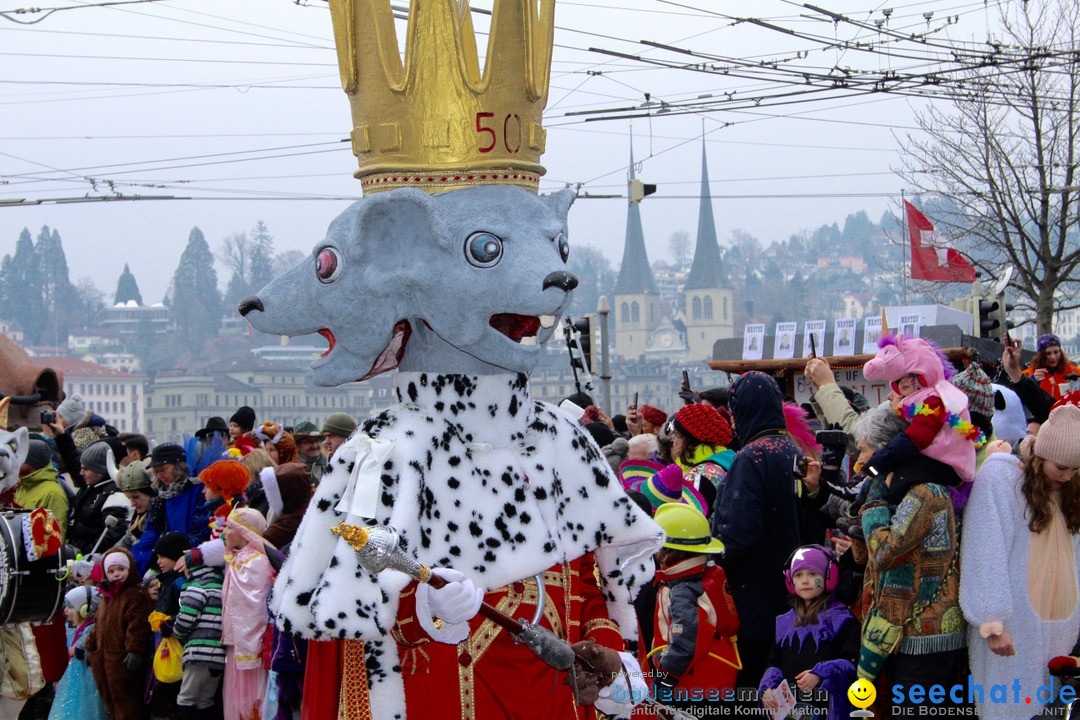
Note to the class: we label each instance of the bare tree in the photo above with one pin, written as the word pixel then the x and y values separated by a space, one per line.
pixel 679 247
pixel 91 301
pixel 235 254
pixel 1004 151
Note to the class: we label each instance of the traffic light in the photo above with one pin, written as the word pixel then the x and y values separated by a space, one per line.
pixel 639 189
pixel 993 317
pixel 583 333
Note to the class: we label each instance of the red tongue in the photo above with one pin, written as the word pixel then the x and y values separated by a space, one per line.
pixel 330 339
pixel 514 326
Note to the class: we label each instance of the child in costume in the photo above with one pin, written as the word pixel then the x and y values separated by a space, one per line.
pixel 77 696
pixel 939 422
pixel 119 641
pixel 1019 565
pixel 248 578
pixel 223 481
pixel 817 642
pixel 695 621
pixel 198 629
pixel 168 549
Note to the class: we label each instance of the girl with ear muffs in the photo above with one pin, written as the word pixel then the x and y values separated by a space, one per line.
pixel 817 642
pixel 76 693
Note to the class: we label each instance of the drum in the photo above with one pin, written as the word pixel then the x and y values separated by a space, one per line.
pixel 29 591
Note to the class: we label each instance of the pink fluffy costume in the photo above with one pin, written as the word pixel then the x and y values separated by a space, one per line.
pixel 940 426
pixel 248 578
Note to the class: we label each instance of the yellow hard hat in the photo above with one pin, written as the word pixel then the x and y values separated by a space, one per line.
pixel 686 529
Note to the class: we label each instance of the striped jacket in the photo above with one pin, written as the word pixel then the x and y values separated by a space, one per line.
pixel 198 624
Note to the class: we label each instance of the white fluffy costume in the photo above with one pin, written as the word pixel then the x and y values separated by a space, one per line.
pixel 476 476
pixel 994 569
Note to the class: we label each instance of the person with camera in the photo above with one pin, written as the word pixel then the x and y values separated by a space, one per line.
pixel 831 404
pixel 1051 367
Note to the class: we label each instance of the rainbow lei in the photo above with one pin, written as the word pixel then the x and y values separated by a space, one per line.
pixel 973 434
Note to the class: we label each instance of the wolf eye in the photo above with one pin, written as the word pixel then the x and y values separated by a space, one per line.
pixel 483 249
pixel 327 265
pixel 564 247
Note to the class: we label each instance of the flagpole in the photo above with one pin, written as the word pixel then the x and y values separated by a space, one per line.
pixel 906 240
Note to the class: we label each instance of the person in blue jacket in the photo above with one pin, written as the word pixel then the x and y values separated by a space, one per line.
pixel 756 517
pixel 178 507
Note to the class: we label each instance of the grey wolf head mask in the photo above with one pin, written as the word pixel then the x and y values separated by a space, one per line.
pixel 470 281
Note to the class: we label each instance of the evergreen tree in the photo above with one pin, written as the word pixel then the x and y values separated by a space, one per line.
pixel 57 292
pixel 196 301
pixel 127 288
pixel 7 275
pixel 27 303
pixel 262 258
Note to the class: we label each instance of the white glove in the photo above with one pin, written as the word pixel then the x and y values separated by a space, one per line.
pixel 455 604
pixel 618 699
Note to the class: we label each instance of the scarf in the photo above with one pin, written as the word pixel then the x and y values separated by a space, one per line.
pixel 708 453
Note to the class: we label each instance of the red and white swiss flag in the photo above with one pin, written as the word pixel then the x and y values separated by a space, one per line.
pixel 931 256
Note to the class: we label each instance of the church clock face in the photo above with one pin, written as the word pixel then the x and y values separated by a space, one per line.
pixel 665 339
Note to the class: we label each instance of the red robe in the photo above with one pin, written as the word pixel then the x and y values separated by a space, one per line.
pixel 489 676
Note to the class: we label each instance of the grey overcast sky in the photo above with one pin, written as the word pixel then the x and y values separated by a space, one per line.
pixel 237 104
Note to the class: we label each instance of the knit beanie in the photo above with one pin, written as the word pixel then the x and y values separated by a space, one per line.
pixel 975 383
pixel 654 415
pixel 704 424
pixel 38 455
pixel 340 424
pixel 810 557
pixel 134 476
pixel 1059 437
pixel 72 409
pixel 98 457
pixel 172 545
pixel 227 478
pixel 669 486
pixel 245 418
pixel 616 453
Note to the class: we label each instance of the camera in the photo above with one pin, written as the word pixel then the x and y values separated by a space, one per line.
pixel 48 417
pixel 833 444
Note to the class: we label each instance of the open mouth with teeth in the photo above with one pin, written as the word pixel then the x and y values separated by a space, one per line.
pixel 522 329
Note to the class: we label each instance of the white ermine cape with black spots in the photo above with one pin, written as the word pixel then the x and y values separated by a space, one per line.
pixel 475 476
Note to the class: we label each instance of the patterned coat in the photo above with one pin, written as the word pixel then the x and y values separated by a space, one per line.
pixel 475 476
pixel 198 625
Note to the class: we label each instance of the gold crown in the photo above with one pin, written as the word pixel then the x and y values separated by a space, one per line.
pixel 437 121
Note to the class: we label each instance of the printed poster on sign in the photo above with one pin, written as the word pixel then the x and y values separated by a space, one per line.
pixel 871 334
pixel 814 329
pixel 784 342
pixel 844 337
pixel 753 342
pixel 909 325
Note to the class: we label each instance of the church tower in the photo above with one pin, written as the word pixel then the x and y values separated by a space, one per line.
pixel 709 302
pixel 637 300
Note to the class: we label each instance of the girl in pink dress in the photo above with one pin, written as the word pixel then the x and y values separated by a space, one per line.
pixel 248 578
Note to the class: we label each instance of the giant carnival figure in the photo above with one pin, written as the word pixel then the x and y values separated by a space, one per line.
pixel 453 269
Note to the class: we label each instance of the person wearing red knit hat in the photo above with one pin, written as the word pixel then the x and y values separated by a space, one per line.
pixel 646 420
pixel 700 439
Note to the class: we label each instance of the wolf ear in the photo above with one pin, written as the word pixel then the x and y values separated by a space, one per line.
pixel 561 201
pixel 397 223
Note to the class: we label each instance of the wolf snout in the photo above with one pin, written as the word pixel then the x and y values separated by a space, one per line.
pixel 254 303
pixel 565 281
